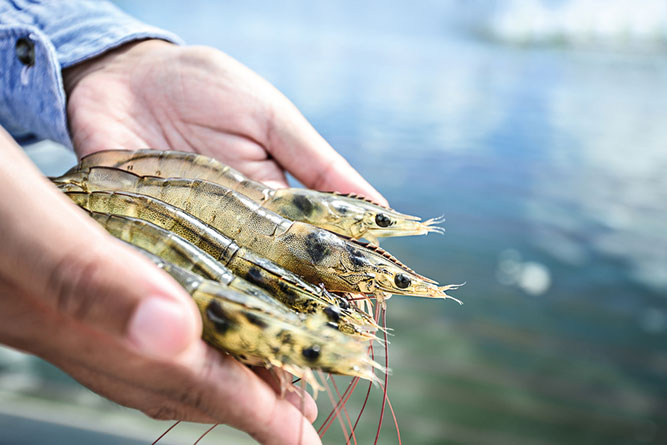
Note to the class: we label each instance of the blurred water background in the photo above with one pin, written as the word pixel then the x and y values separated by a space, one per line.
pixel 539 129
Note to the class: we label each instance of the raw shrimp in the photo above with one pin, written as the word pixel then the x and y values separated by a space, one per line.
pixel 347 214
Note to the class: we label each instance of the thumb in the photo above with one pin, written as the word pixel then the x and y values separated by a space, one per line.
pixel 113 289
pixel 303 152
pixel 117 290
pixel 51 249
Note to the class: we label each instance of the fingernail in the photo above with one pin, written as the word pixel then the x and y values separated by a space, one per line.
pixel 161 327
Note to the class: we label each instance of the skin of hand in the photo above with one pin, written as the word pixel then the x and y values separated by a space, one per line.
pixel 136 340
pixel 153 94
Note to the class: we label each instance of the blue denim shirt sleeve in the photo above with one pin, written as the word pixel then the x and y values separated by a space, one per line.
pixel 40 38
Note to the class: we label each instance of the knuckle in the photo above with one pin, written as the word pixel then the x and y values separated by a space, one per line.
pixel 72 284
pixel 193 396
pixel 182 404
pixel 197 394
pixel 164 412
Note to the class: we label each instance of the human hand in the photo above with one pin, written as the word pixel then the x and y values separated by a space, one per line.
pixel 82 300
pixel 153 94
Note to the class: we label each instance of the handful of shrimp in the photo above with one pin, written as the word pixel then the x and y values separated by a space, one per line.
pixel 279 275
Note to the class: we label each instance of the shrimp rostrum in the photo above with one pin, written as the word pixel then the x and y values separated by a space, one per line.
pixel 347 214
pixel 319 256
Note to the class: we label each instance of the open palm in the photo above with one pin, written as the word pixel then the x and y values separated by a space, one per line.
pixel 153 94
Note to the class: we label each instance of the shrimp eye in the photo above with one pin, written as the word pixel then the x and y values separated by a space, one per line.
pixel 382 220
pixel 333 313
pixel 312 353
pixel 402 281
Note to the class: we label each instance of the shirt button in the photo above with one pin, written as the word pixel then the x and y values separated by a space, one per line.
pixel 25 51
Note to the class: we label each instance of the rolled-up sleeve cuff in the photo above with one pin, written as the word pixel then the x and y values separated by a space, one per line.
pixel 84 29
pixel 33 103
pixel 63 33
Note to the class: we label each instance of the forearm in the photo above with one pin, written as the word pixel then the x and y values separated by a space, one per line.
pixel 37 41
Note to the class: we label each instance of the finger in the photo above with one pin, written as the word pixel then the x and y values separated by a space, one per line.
pixel 199 385
pixel 242 153
pixel 159 389
pixel 52 249
pixel 154 404
pixel 300 149
pixel 280 382
pixel 214 388
pixel 253 406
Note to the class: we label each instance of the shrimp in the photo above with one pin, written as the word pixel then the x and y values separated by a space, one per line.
pixel 318 255
pixel 206 241
pixel 175 250
pixel 233 323
pixel 346 214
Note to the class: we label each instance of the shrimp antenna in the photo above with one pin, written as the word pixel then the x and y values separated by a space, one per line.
pixel 368 392
pixel 431 225
pixel 383 312
pixel 347 416
pixel 302 407
pixel 165 433
pixel 205 433
pixel 444 289
pixel 337 406
pixel 346 395
pixel 393 414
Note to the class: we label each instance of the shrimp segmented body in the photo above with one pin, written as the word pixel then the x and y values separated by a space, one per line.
pixel 318 255
pixel 177 251
pixel 233 322
pixel 206 241
pixel 346 214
